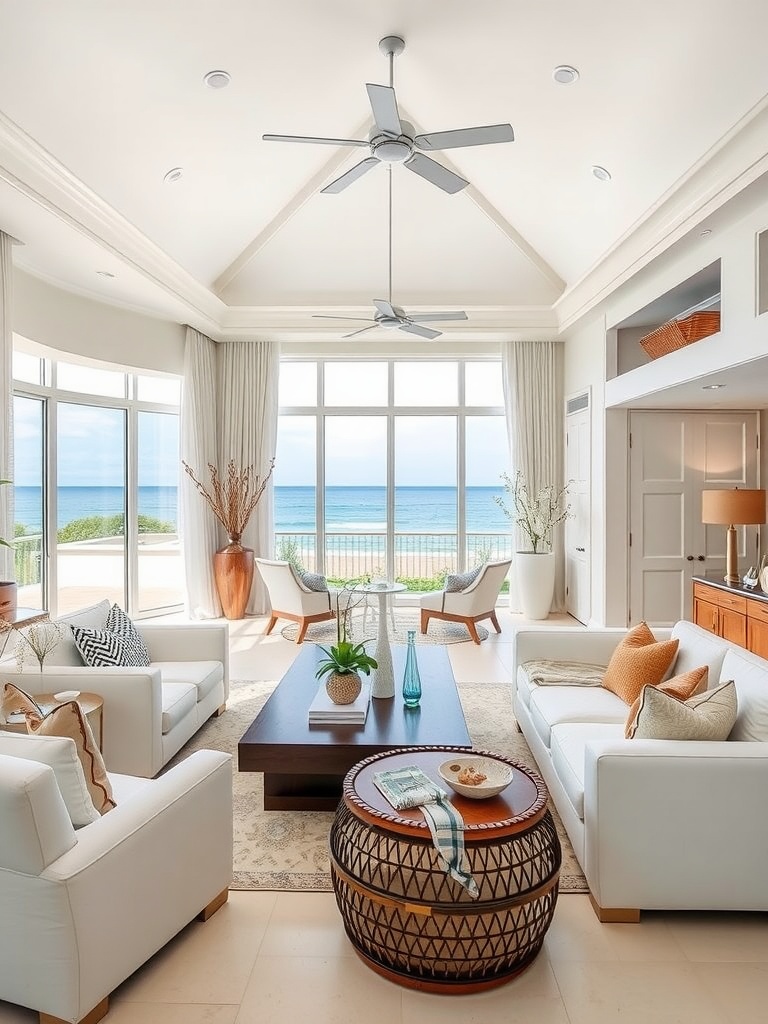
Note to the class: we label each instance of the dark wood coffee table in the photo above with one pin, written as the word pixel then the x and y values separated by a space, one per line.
pixel 304 766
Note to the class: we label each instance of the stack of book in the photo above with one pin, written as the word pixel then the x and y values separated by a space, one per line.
pixel 322 710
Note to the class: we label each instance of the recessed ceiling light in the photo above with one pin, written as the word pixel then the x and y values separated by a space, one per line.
pixel 705 233
pixel 565 74
pixel 712 387
pixel 217 79
pixel 104 273
pixel 174 174
pixel 601 173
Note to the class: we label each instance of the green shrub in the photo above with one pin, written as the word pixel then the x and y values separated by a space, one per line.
pixel 96 527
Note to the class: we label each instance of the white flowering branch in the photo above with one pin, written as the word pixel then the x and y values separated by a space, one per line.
pixel 536 516
pixel 36 642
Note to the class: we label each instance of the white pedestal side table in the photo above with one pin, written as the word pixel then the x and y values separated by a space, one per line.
pixel 383 677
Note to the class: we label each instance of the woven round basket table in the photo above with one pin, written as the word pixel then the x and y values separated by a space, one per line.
pixel 407 918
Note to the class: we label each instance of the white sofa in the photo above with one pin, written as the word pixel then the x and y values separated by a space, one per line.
pixel 655 824
pixel 149 713
pixel 83 908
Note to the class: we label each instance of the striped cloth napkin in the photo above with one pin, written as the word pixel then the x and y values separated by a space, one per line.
pixel 411 787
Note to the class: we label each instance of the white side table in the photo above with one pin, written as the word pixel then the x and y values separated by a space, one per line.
pixel 383 677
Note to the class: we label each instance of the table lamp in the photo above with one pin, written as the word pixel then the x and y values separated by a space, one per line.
pixel 734 507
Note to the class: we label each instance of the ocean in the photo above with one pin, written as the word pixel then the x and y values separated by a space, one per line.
pixel 348 509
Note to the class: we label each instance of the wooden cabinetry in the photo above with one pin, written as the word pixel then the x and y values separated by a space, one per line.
pixel 733 614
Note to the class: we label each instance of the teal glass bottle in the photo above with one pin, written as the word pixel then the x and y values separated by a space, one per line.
pixel 411 678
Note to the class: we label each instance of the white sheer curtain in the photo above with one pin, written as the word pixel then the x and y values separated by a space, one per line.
pixel 7 571
pixel 248 374
pixel 533 400
pixel 198 527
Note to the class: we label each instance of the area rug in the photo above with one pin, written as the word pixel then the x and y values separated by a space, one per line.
pixel 438 632
pixel 287 850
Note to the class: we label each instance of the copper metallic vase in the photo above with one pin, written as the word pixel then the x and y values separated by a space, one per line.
pixel 233 573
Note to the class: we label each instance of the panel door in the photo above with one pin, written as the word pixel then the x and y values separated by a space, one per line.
pixel 577 527
pixel 673 457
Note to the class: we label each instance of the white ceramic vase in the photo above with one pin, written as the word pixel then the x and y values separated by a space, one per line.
pixel 535 572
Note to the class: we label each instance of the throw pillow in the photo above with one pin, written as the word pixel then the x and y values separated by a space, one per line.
pixel 119 623
pixel 314 581
pixel 682 686
pixel 638 660
pixel 458 581
pixel 67 720
pixel 707 716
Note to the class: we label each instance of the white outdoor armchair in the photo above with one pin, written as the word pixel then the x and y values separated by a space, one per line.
pixel 471 605
pixel 291 599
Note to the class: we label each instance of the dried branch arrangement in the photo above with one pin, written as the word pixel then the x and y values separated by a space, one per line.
pixel 232 499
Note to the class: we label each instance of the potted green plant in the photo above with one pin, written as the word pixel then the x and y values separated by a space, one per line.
pixel 345 660
pixel 536 516
pixel 8 588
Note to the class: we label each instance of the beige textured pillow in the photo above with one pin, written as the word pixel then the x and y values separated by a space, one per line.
pixel 638 661
pixel 683 686
pixel 707 716
pixel 66 720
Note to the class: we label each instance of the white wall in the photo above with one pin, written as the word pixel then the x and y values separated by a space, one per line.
pixel 70 323
pixel 744 337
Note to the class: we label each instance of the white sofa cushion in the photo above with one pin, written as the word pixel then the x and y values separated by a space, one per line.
pixel 698 647
pixel 204 675
pixel 750 674
pixel 553 705
pixel 61 754
pixel 65 652
pixel 40 832
pixel 567 748
pixel 178 700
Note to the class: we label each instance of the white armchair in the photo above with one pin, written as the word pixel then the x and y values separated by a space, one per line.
pixel 83 908
pixel 149 713
pixel 291 599
pixel 471 605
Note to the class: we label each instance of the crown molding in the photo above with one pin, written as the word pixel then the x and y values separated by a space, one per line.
pixel 737 160
pixel 43 180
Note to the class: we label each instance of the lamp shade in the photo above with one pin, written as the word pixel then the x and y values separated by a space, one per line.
pixel 738 506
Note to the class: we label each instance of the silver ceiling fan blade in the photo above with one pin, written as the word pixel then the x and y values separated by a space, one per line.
pixel 351 175
pixel 384 107
pixel 386 308
pixel 461 137
pixel 423 332
pixel 436 173
pixel 421 318
pixel 361 331
pixel 315 141
pixel 327 316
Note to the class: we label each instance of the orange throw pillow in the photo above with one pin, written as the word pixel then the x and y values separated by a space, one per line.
pixel 686 685
pixel 69 721
pixel 638 661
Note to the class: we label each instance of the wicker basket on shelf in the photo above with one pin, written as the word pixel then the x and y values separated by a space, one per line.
pixel 679 333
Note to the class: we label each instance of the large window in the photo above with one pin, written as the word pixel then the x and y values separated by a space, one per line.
pixel 96 455
pixel 390 467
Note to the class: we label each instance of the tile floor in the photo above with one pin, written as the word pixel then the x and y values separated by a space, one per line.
pixel 283 958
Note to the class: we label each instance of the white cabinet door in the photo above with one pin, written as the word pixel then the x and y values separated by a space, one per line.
pixel 578 452
pixel 673 457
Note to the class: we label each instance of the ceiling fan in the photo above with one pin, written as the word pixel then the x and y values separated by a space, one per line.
pixel 393 317
pixel 393 141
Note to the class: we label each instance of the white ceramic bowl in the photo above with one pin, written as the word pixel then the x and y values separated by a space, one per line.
pixel 67 695
pixel 498 775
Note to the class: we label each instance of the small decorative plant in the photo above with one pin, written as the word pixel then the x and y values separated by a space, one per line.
pixel 345 656
pixel 36 642
pixel 537 515
pixel 233 499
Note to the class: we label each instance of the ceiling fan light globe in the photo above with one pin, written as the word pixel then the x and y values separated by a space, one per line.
pixel 392 151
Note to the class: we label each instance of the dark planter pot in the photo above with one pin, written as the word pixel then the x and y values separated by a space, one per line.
pixel 8 597
pixel 233 573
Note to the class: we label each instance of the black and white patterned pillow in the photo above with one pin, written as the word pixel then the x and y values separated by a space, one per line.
pixel 458 581
pixel 314 581
pixel 119 623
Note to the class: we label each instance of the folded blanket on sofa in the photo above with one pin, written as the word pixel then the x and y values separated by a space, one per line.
pixel 545 672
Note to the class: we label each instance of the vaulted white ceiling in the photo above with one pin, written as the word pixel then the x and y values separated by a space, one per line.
pixel 99 100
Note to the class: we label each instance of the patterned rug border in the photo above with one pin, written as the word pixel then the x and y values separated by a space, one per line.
pixel 438 632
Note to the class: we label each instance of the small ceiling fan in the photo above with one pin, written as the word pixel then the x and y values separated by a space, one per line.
pixel 392 140
pixel 389 316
